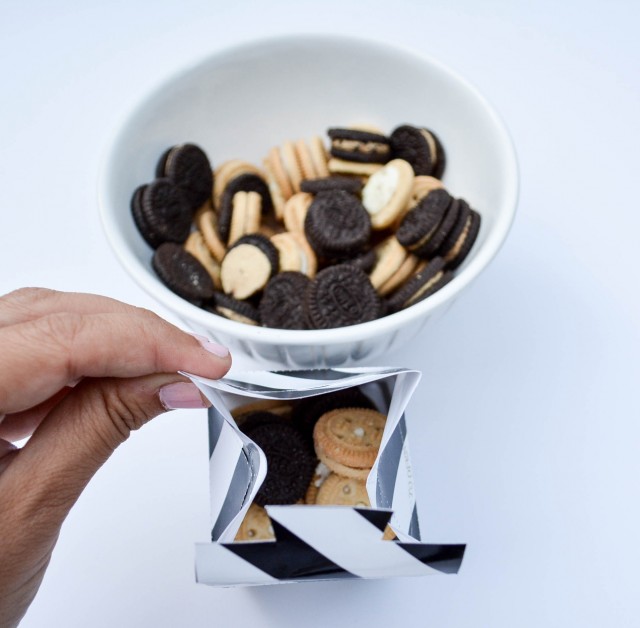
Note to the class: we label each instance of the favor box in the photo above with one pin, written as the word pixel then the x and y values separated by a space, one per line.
pixel 314 542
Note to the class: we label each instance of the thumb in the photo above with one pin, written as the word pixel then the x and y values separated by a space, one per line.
pixel 80 433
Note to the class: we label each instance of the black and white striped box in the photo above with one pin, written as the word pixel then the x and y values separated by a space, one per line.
pixel 314 542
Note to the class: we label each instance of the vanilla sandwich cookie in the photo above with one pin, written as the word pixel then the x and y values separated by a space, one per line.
pixel 401 275
pixel 248 266
pixel 207 222
pixel 319 156
pixel 295 211
pixel 422 185
pixel 196 245
pixel 291 165
pixel 343 166
pixel 278 180
pixel 295 253
pixel 386 194
pixel 341 491
pixel 245 217
pixel 256 526
pixel 390 255
pixel 350 436
pixel 229 170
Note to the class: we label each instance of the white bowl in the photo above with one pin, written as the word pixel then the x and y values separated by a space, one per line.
pixel 242 101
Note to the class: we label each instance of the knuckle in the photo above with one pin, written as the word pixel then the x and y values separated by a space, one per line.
pixel 125 412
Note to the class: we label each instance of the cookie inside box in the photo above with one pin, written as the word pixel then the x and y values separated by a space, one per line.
pixel 311 479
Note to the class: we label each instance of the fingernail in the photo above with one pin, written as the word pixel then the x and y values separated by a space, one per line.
pixel 212 347
pixel 181 395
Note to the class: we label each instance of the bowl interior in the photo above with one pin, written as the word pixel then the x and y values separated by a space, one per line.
pixel 241 102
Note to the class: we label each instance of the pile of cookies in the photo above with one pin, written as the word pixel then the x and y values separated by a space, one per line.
pixel 318 238
pixel 319 450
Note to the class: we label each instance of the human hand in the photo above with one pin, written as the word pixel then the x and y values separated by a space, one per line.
pixel 79 372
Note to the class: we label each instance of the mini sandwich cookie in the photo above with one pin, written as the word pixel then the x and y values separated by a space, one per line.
pixel 422 285
pixel 282 304
pixel 359 146
pixel 196 245
pixel 233 309
pixel 295 211
pixel 340 491
pixel 339 296
pixel 256 526
pixel 161 213
pixel 290 462
pixel 422 224
pixel 182 273
pixel 241 183
pixel 337 225
pixel 347 440
pixel 245 215
pixel 336 182
pixel 227 172
pixel 307 411
pixel 248 266
pixel 188 167
pixel 420 147
pixel 295 254
pixel 462 237
pixel 386 194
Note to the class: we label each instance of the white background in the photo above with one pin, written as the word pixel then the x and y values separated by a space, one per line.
pixel 525 430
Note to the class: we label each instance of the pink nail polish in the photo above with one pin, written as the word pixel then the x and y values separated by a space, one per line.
pixel 181 395
pixel 212 347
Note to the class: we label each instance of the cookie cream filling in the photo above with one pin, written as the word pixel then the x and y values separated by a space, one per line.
pixel 234 316
pixel 418 293
pixel 432 144
pixel 455 249
pixel 360 146
pixel 379 189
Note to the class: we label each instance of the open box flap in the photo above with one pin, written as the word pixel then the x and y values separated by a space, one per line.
pixel 314 542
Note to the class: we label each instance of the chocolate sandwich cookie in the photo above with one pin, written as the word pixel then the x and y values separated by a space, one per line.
pixel 182 273
pixel 248 266
pixel 420 147
pixel 421 223
pixel 233 309
pixel 290 462
pixel 282 303
pixel 161 213
pixel 337 224
pixel 248 182
pixel 187 165
pixel 253 419
pixel 307 411
pixel 360 146
pixel 458 252
pixel 336 182
pixel 431 247
pixel 339 296
pixel 364 261
pixel 422 285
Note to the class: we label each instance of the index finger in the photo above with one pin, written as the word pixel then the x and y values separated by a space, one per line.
pixel 27 304
pixel 41 356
